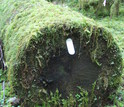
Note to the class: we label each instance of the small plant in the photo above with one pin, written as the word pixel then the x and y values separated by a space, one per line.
pixel 117 98
pixel 92 96
pixel 54 100
pixel 4 90
pixel 82 98
pixel 69 102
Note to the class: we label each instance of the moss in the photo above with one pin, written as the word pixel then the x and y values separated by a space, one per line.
pixel 96 6
pixel 114 11
pixel 32 30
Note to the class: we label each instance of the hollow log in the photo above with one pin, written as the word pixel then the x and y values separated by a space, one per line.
pixel 34 35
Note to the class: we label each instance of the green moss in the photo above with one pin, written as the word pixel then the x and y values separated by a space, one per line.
pixel 96 6
pixel 32 30
pixel 114 11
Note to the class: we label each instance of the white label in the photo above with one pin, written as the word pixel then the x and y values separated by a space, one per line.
pixel 70 46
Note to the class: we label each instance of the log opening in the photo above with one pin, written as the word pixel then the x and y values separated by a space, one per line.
pixel 66 71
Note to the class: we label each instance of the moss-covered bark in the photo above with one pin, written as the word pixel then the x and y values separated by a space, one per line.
pixel 32 32
pixel 111 7
pixel 114 11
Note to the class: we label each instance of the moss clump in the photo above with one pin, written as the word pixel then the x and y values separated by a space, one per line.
pixel 32 31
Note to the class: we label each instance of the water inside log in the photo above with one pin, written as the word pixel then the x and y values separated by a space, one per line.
pixel 66 71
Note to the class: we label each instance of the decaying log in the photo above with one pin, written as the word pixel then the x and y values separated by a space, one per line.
pixel 102 7
pixel 37 57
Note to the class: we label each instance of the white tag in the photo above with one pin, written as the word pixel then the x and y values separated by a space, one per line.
pixel 70 46
pixel 104 3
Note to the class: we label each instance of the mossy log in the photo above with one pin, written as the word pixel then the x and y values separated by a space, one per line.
pixel 110 8
pixel 34 34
